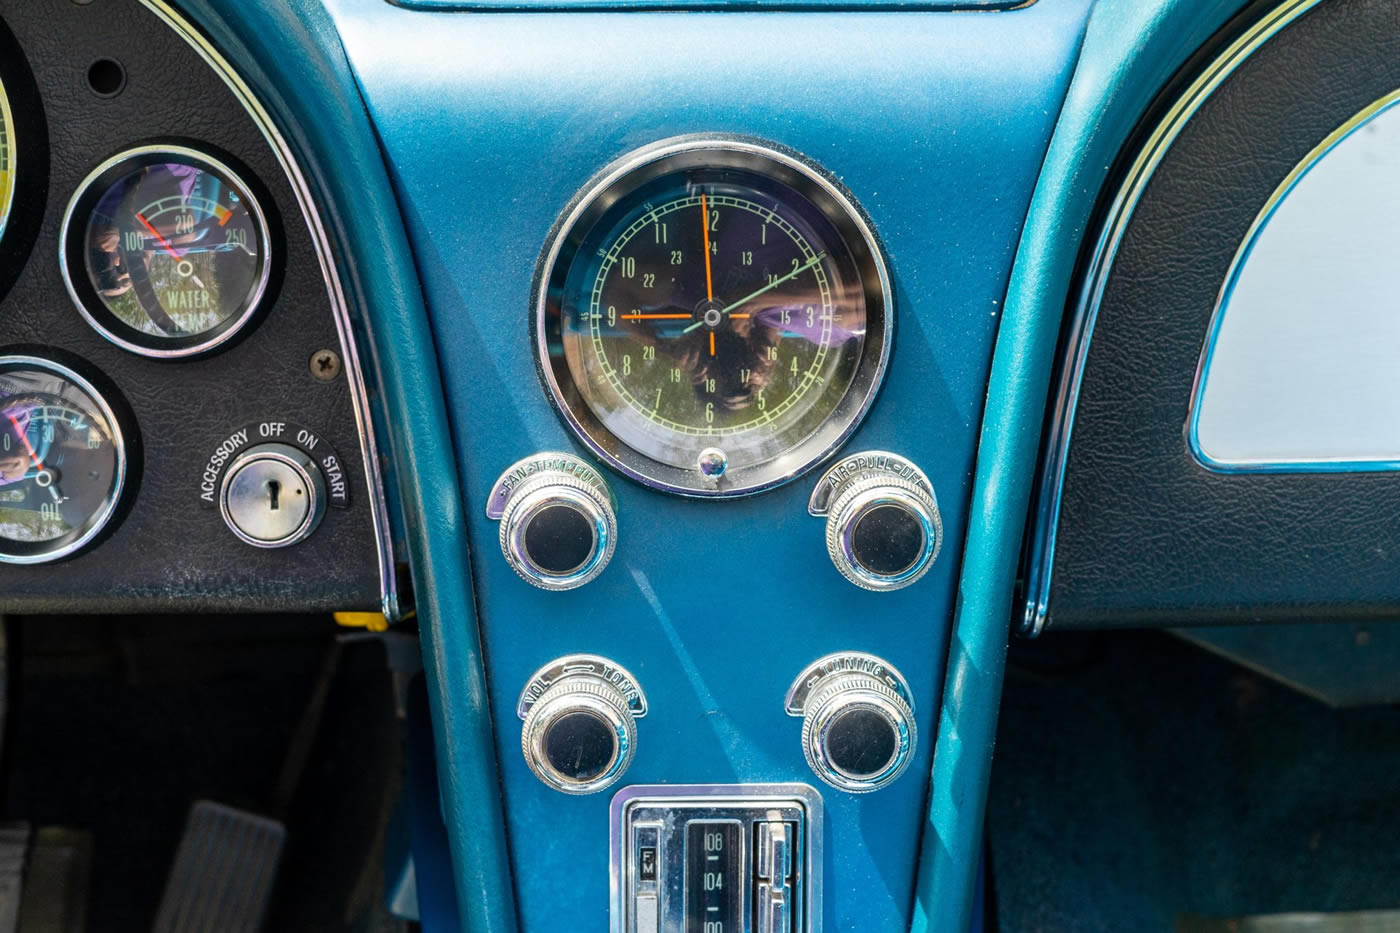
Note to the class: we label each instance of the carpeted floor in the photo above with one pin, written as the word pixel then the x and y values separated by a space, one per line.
pixel 1139 779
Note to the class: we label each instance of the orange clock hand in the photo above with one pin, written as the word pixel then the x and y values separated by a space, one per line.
pixel 705 217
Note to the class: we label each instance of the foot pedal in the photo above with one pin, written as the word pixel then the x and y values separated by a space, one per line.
pixel 223 873
pixel 14 851
pixel 56 881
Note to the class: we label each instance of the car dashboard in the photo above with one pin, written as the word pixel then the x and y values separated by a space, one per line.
pixel 713 388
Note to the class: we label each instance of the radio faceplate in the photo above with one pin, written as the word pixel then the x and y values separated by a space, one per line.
pixel 718 858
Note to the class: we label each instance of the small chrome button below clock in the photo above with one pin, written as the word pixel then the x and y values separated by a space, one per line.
pixel 858 728
pixel 580 732
pixel 883 529
pixel 558 522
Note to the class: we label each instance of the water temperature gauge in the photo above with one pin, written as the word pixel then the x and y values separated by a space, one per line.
pixel 166 251
pixel 63 461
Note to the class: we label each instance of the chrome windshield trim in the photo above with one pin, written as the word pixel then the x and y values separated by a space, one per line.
pixel 1050 488
pixel 354 374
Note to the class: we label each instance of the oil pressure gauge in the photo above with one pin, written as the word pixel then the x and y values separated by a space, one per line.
pixel 166 251
pixel 714 316
pixel 63 461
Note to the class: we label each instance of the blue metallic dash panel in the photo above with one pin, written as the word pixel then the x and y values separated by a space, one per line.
pixel 491 123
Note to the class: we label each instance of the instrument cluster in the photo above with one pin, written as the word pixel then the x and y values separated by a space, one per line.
pixel 169 374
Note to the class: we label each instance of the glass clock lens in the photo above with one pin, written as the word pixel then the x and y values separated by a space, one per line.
pixel 725 302
pixel 171 251
pixel 62 463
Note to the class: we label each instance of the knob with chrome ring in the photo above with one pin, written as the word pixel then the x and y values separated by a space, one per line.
pixel 580 731
pixel 883 528
pixel 558 520
pixel 858 728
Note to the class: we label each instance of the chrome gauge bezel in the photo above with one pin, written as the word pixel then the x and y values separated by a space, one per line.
pixel 626 176
pixel 95 526
pixel 72 243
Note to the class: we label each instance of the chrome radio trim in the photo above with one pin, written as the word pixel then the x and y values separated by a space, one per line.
pixel 702 796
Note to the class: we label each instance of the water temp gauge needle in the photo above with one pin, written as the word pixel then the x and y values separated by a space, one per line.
pixel 165 245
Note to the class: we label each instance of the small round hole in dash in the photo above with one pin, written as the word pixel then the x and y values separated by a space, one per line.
pixel 106 77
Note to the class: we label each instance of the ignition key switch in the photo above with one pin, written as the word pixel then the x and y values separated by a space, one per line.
pixel 273 495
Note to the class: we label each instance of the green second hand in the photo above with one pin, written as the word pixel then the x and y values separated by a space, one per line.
pixel 771 285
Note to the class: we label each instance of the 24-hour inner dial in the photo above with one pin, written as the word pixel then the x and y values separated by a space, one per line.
pixel 714 366
pixel 715 319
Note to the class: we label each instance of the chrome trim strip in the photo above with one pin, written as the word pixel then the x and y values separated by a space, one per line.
pixel 118 442
pixel 354 374
pixel 201 160
pixel 1217 319
pixel 1046 519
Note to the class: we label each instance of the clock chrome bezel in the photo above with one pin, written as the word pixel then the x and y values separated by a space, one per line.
pixel 625 176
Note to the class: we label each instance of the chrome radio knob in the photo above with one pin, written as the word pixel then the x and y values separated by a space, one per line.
pixel 580 731
pixel 883 530
pixel 858 729
pixel 558 520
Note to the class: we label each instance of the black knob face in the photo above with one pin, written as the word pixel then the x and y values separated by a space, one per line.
pixel 580 745
pixel 888 540
pixel 559 539
pixel 861 742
